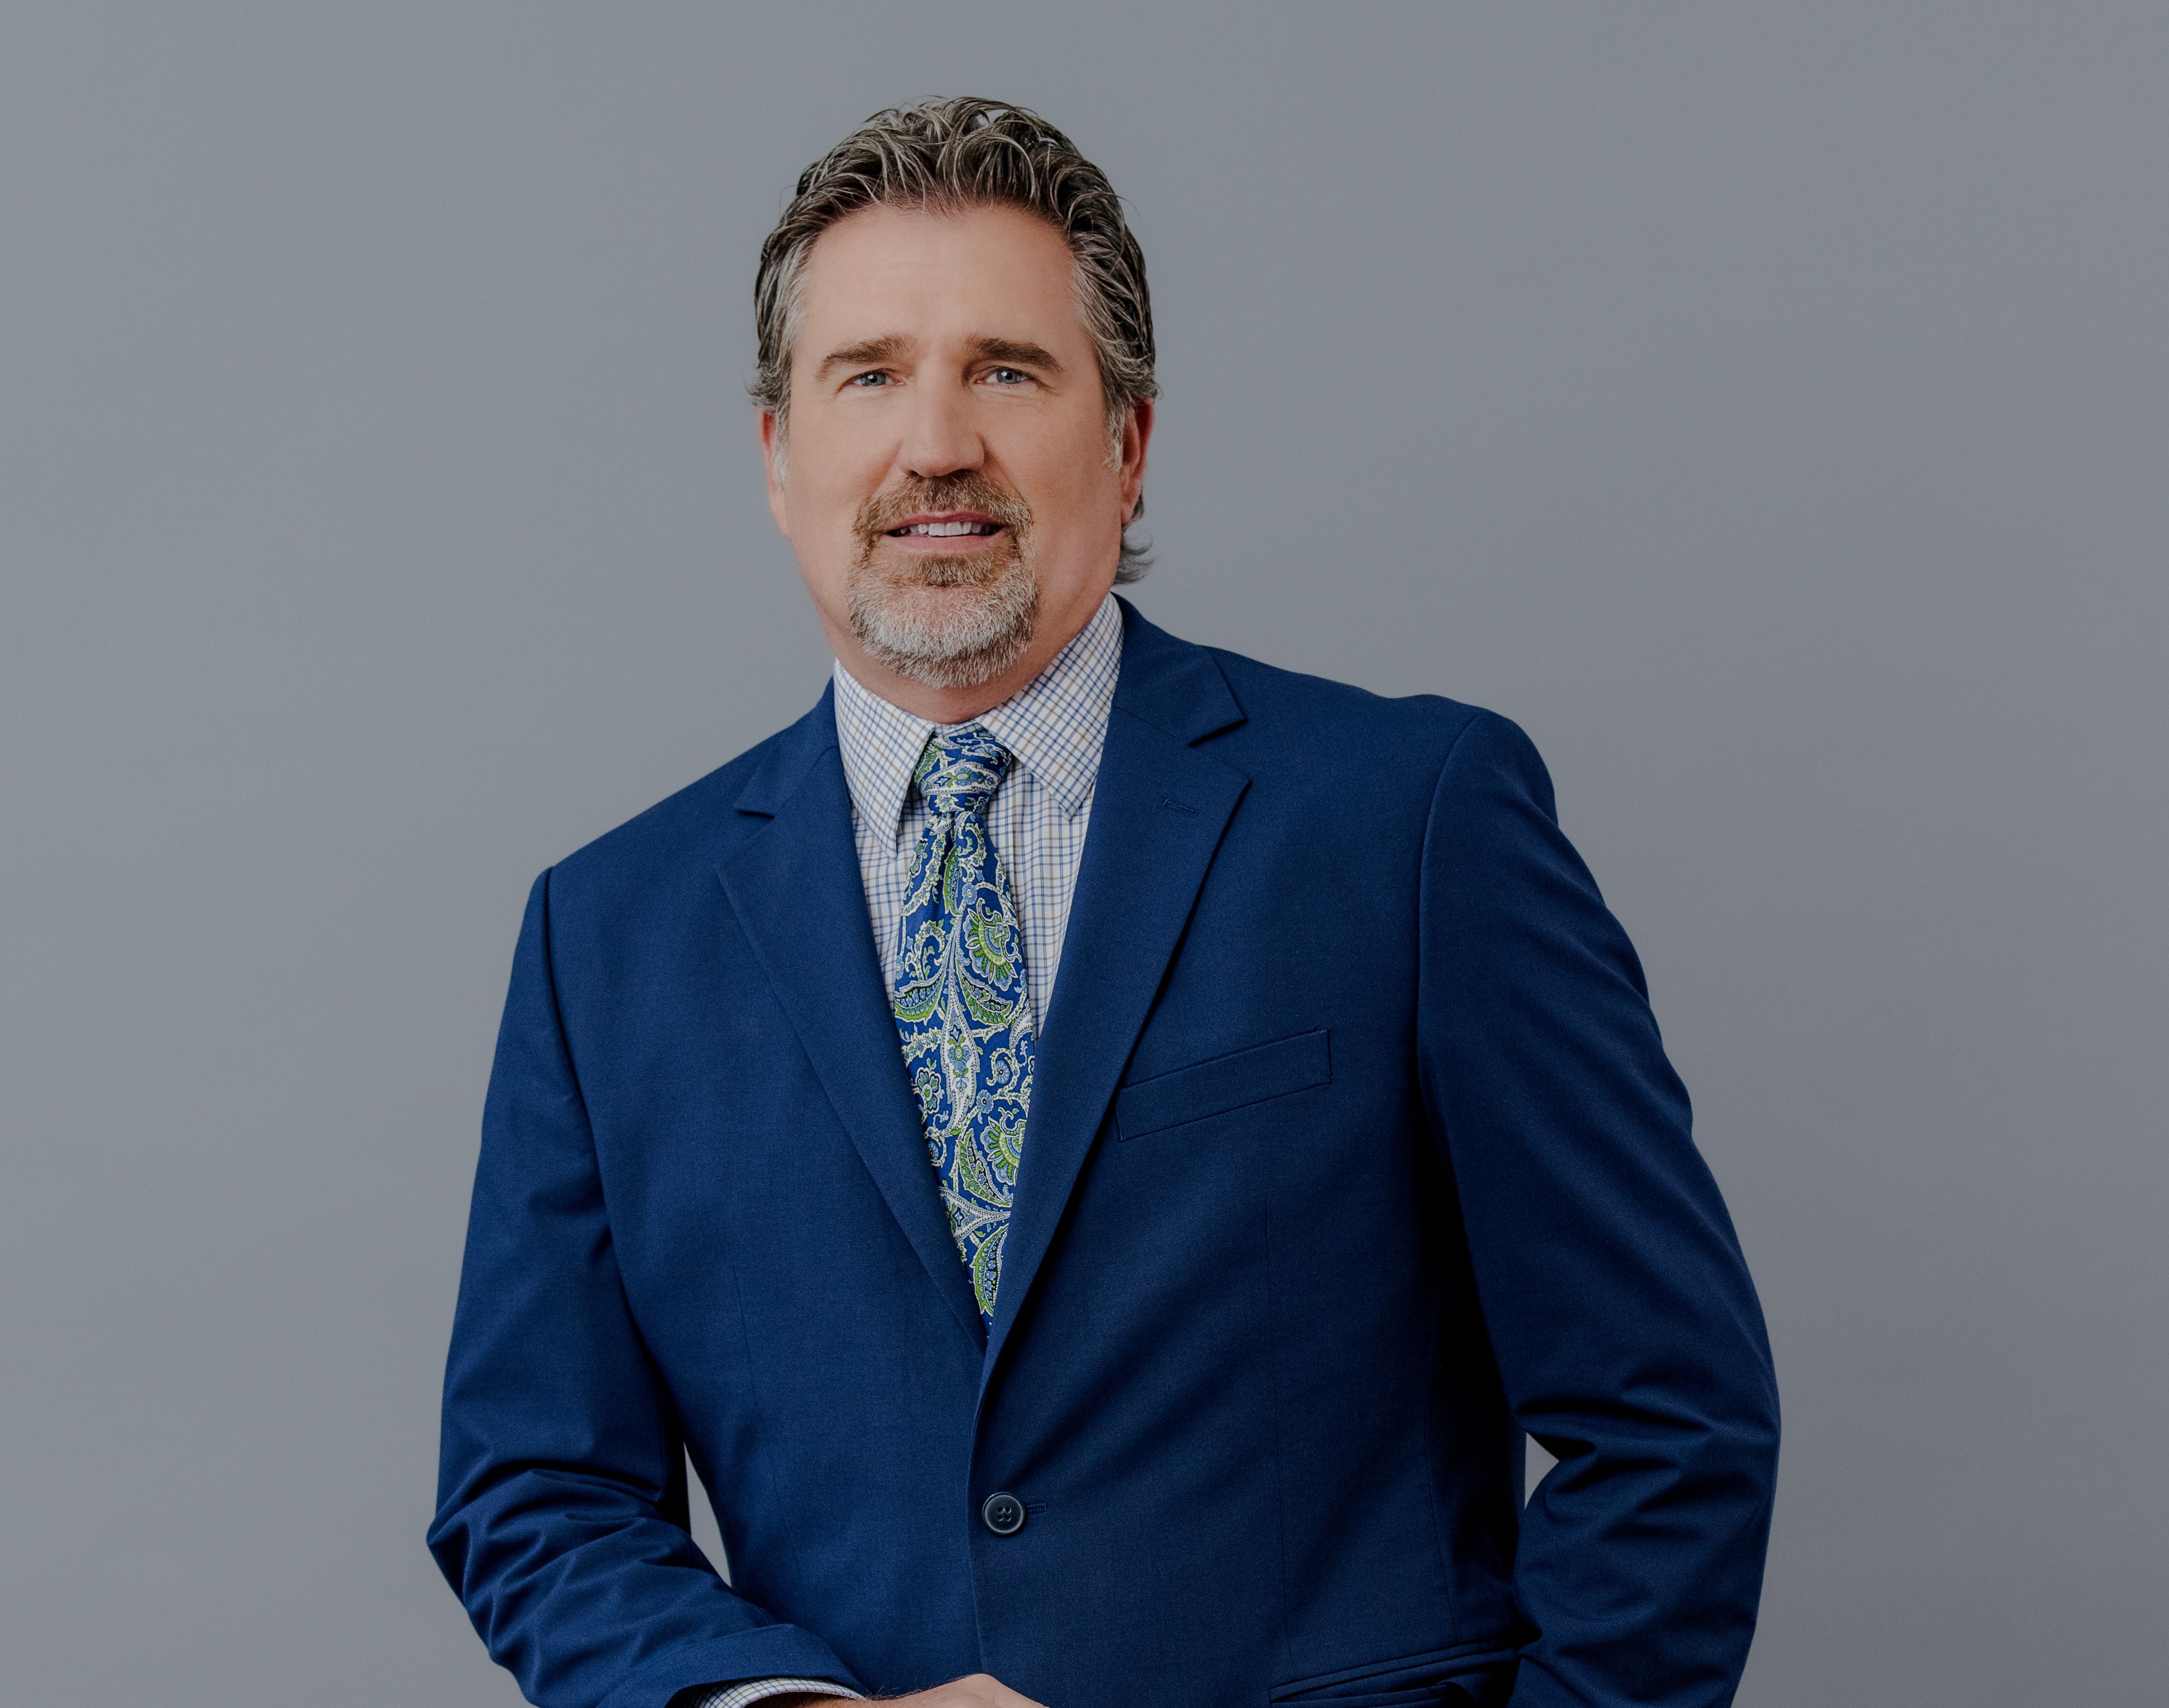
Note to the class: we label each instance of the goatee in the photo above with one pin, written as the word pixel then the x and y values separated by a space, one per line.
pixel 901 606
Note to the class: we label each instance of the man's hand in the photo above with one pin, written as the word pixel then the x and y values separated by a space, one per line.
pixel 977 1691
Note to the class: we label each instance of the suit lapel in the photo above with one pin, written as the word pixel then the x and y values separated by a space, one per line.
pixel 1157 814
pixel 799 899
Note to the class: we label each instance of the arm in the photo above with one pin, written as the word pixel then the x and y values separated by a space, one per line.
pixel 561 1519
pixel 1626 1329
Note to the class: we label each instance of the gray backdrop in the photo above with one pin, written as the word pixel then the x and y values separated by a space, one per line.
pixel 1766 405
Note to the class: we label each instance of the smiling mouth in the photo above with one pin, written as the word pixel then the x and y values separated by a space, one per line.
pixel 946 528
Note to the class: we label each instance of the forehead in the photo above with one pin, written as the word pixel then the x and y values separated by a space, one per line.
pixel 981 272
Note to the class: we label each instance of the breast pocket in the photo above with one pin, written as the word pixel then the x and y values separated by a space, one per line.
pixel 1231 1081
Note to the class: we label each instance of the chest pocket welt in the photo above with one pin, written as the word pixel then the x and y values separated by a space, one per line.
pixel 1230 1082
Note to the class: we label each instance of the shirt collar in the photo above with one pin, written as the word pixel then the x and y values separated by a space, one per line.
pixel 1054 727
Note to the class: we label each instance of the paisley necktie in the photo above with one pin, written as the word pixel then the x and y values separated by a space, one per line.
pixel 960 1001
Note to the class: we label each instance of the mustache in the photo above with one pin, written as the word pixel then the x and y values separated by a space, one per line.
pixel 967 490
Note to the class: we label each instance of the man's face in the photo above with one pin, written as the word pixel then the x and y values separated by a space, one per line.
pixel 949 486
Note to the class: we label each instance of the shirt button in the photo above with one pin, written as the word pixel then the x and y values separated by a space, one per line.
pixel 1003 1514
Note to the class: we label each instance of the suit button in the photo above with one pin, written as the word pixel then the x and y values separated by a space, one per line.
pixel 1003 1514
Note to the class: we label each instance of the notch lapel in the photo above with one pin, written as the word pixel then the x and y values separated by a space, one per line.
pixel 800 901
pixel 1158 811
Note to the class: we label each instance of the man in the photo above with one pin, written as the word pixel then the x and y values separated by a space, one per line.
pixel 1098 1148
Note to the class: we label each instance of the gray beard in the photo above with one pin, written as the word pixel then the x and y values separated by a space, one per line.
pixel 966 645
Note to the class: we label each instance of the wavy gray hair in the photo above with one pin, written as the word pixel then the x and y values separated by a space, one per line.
pixel 952 154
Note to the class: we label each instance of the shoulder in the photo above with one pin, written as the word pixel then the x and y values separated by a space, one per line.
pixel 1462 784
pixel 1293 719
pixel 700 825
pixel 1340 709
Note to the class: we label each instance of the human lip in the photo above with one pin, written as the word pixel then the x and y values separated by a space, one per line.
pixel 949 524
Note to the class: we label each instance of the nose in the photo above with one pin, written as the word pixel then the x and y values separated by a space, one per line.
pixel 940 437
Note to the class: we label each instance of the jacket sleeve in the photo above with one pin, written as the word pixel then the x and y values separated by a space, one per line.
pixel 562 1500
pixel 1626 1329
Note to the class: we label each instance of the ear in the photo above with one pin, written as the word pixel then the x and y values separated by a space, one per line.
pixel 771 463
pixel 1137 435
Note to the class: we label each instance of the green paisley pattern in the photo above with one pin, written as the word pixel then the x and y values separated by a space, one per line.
pixel 961 1002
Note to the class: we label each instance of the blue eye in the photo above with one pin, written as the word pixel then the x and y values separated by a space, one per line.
pixel 1009 376
pixel 868 382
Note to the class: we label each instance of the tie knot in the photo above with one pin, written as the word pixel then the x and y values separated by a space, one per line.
pixel 960 770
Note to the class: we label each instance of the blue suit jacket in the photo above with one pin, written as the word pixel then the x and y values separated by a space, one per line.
pixel 1353 1154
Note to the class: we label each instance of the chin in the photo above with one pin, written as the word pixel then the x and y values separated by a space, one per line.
pixel 958 636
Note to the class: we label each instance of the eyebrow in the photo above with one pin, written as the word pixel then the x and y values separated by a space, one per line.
pixel 874 353
pixel 867 353
pixel 1024 356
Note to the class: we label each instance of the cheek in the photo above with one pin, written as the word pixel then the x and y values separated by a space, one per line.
pixel 824 497
pixel 1085 497
pixel 823 537
pixel 1069 474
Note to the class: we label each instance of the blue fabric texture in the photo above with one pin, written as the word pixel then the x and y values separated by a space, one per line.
pixel 1404 1173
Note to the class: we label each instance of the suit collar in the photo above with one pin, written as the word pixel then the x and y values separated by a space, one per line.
pixel 787 756
pixel 1174 685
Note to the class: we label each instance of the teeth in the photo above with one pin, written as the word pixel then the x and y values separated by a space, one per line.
pixel 944 530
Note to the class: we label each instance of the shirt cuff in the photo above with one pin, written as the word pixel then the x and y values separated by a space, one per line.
pixel 738 1694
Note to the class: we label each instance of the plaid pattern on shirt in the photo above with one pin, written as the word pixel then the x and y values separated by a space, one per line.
pixel 1054 730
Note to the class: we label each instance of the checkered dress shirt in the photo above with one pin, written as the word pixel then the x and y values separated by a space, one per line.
pixel 1054 730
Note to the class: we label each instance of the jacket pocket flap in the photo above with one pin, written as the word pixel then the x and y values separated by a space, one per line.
pixel 1225 1082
